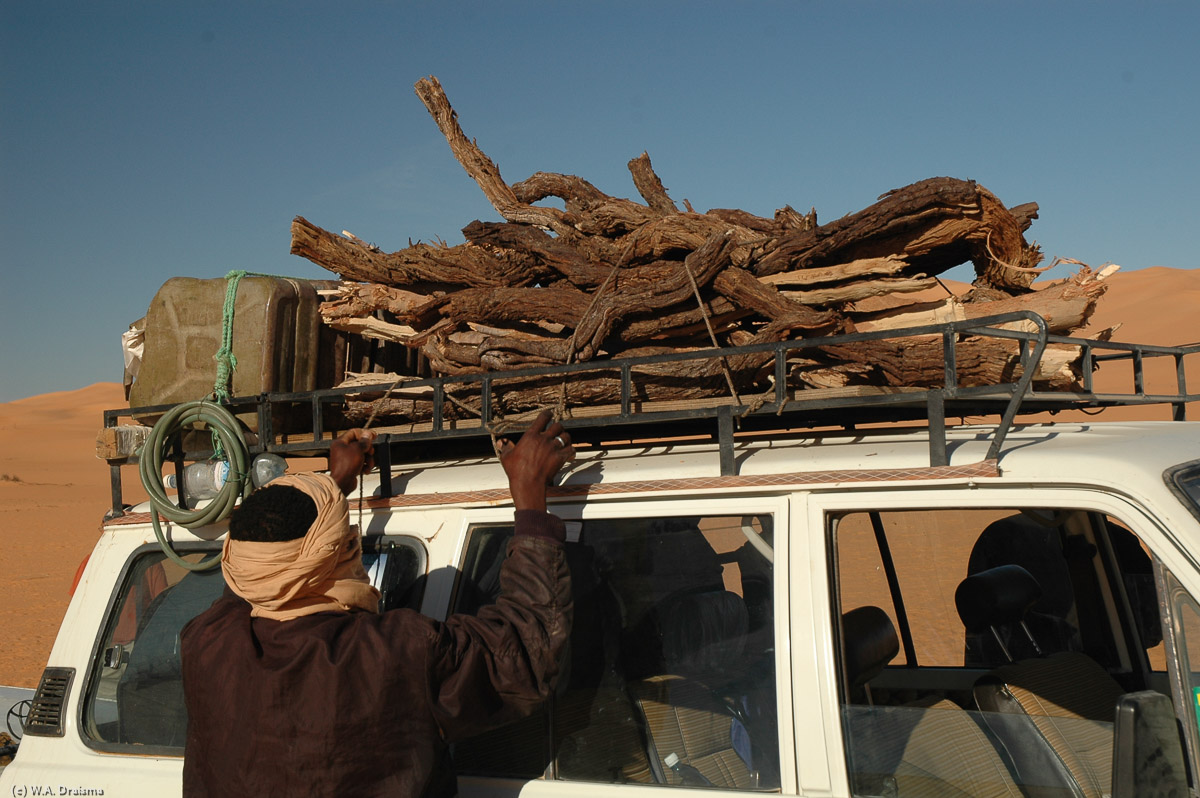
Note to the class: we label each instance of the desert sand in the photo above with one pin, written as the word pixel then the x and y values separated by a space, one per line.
pixel 54 492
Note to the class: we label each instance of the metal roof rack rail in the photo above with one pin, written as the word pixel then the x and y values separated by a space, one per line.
pixel 778 410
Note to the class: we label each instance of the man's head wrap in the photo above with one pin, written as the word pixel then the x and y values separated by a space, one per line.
pixel 319 572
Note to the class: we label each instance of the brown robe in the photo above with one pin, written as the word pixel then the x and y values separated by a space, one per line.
pixel 363 704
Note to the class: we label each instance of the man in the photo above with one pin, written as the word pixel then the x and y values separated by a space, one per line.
pixel 297 686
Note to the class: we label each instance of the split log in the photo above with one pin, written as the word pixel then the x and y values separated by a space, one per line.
pixel 852 292
pixel 868 267
pixel 934 225
pixel 743 290
pixel 1066 305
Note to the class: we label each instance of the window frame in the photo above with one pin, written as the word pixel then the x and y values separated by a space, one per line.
pixel 1174 478
pixel 111 617
pixel 1172 596
pixel 775 504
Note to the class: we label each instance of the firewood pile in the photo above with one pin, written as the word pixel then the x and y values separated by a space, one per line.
pixel 589 277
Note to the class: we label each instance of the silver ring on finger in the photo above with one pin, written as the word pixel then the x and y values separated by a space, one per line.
pixel 561 443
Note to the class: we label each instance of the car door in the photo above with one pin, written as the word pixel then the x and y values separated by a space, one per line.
pixel 678 662
pixel 974 641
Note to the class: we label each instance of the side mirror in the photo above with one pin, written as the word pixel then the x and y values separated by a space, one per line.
pixel 1147 750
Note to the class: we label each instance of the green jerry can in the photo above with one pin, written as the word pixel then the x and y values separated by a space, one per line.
pixel 275 326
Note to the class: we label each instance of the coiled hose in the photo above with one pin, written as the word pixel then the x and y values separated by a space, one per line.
pixel 237 484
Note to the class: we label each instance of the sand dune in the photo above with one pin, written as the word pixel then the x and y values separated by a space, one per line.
pixel 54 492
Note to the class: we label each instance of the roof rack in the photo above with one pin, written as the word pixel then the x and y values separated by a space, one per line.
pixel 780 409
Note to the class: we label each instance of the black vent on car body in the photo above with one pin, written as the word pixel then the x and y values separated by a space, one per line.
pixel 50 703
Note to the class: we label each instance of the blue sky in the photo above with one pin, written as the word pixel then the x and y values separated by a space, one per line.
pixel 145 140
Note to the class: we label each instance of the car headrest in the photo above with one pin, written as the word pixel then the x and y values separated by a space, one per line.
pixel 995 597
pixel 870 643
pixel 703 632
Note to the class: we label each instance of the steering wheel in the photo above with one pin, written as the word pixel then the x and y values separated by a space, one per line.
pixel 18 712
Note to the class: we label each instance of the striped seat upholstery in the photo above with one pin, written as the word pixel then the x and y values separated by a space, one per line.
pixel 702 638
pixel 1070 701
pixel 1064 703
pixel 599 738
pixel 684 718
pixel 926 748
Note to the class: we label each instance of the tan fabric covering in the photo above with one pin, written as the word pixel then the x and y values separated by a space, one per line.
pixel 319 572
pixel 930 748
pixel 948 754
pixel 1072 701
pixel 684 718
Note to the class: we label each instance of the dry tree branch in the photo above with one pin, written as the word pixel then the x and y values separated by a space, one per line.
pixel 480 167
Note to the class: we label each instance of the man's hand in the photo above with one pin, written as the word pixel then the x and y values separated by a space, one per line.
pixel 534 460
pixel 351 455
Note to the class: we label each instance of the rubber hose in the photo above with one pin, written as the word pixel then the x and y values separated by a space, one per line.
pixel 220 421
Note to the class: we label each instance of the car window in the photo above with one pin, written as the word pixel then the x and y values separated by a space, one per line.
pixel 1185 480
pixel 1010 631
pixel 134 699
pixel 671 678
pixel 1185 645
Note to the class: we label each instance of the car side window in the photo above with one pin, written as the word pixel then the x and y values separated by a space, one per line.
pixel 671 678
pixel 134 698
pixel 1011 631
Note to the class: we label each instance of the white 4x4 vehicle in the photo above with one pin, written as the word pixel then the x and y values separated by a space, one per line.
pixel 974 611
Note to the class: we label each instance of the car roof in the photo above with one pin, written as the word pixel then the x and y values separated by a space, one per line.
pixel 1134 450
pixel 1130 455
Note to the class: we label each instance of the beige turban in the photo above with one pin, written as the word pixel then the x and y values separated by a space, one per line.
pixel 319 572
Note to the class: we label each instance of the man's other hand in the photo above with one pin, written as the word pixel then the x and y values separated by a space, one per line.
pixel 534 460
pixel 351 455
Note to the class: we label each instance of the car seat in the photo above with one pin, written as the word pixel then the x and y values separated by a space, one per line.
pixel 1064 701
pixel 150 691
pixel 928 747
pixel 690 727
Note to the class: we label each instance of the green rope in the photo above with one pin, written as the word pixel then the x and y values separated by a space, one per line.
pixel 226 360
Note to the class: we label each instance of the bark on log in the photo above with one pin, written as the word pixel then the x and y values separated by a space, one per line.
pixel 934 224
pixel 360 300
pixel 588 209
pixel 545 255
pixel 421 267
pixel 650 187
pixel 743 290
pixel 634 293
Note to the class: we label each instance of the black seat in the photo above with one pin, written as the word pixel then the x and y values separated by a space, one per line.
pixel 150 691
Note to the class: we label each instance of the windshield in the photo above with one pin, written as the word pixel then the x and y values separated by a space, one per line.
pixel 1185 481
